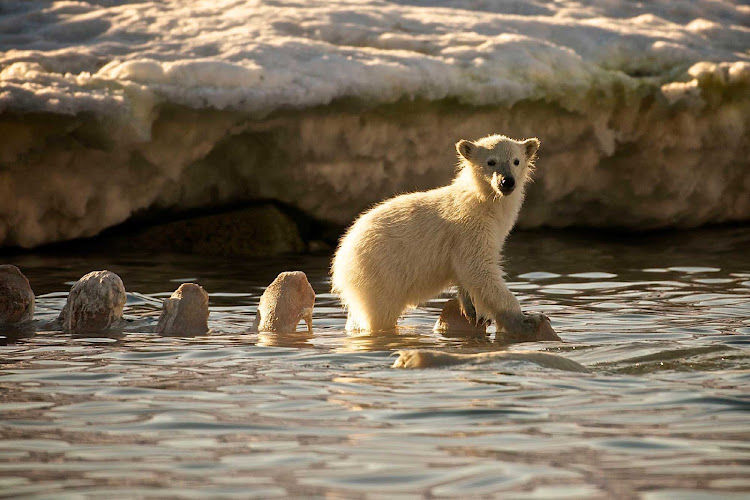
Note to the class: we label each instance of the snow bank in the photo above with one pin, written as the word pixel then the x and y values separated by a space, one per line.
pixel 112 107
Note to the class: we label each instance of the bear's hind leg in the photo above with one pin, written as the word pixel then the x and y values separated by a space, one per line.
pixel 352 324
pixel 371 314
pixel 379 310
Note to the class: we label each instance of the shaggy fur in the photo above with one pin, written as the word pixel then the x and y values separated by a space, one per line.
pixel 412 247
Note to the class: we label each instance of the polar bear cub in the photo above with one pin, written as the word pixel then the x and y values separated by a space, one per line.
pixel 412 247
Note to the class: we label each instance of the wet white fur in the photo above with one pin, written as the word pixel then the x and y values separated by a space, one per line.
pixel 410 248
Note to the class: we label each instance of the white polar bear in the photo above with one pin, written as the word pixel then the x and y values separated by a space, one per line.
pixel 410 248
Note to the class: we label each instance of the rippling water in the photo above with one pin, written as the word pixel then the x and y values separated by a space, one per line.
pixel 661 321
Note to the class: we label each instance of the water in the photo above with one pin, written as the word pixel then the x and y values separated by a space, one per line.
pixel 661 321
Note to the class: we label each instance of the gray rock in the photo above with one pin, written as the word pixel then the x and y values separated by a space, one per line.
pixel 285 302
pixel 16 296
pixel 94 304
pixel 185 312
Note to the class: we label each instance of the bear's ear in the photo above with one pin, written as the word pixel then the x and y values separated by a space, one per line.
pixel 466 148
pixel 530 146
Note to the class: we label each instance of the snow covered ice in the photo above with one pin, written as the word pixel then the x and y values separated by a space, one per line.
pixel 112 108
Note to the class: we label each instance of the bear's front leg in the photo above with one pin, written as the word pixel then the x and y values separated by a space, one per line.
pixel 468 309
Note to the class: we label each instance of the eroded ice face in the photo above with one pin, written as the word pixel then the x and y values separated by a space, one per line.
pixel 504 163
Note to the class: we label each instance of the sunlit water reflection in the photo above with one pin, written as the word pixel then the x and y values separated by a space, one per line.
pixel 662 322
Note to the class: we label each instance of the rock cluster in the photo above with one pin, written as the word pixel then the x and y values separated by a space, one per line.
pixel 96 301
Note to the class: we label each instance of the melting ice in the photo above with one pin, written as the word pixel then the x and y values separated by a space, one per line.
pixel 111 108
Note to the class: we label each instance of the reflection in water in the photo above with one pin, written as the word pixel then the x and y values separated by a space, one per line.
pixel 403 336
pixel 297 339
pixel 660 321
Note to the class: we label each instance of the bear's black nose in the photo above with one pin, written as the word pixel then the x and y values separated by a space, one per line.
pixel 507 184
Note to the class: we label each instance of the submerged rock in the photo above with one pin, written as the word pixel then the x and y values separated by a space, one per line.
pixel 16 296
pixel 185 312
pixel 452 321
pixel 94 304
pixel 286 301
pixel 420 358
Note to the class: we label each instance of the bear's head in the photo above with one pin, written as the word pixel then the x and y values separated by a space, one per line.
pixel 499 161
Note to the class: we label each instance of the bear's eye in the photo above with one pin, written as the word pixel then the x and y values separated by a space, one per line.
pixel 491 163
pixel 515 162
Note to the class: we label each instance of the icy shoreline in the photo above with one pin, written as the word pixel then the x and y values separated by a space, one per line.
pixel 643 112
pixel 257 57
pixel 667 168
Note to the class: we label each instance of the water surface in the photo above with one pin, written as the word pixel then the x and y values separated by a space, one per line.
pixel 661 321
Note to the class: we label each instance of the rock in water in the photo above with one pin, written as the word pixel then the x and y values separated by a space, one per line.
pixel 94 304
pixel 285 302
pixel 185 312
pixel 452 321
pixel 16 296
pixel 544 332
pixel 422 358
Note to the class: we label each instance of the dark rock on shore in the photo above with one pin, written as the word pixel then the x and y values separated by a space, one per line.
pixel 258 231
